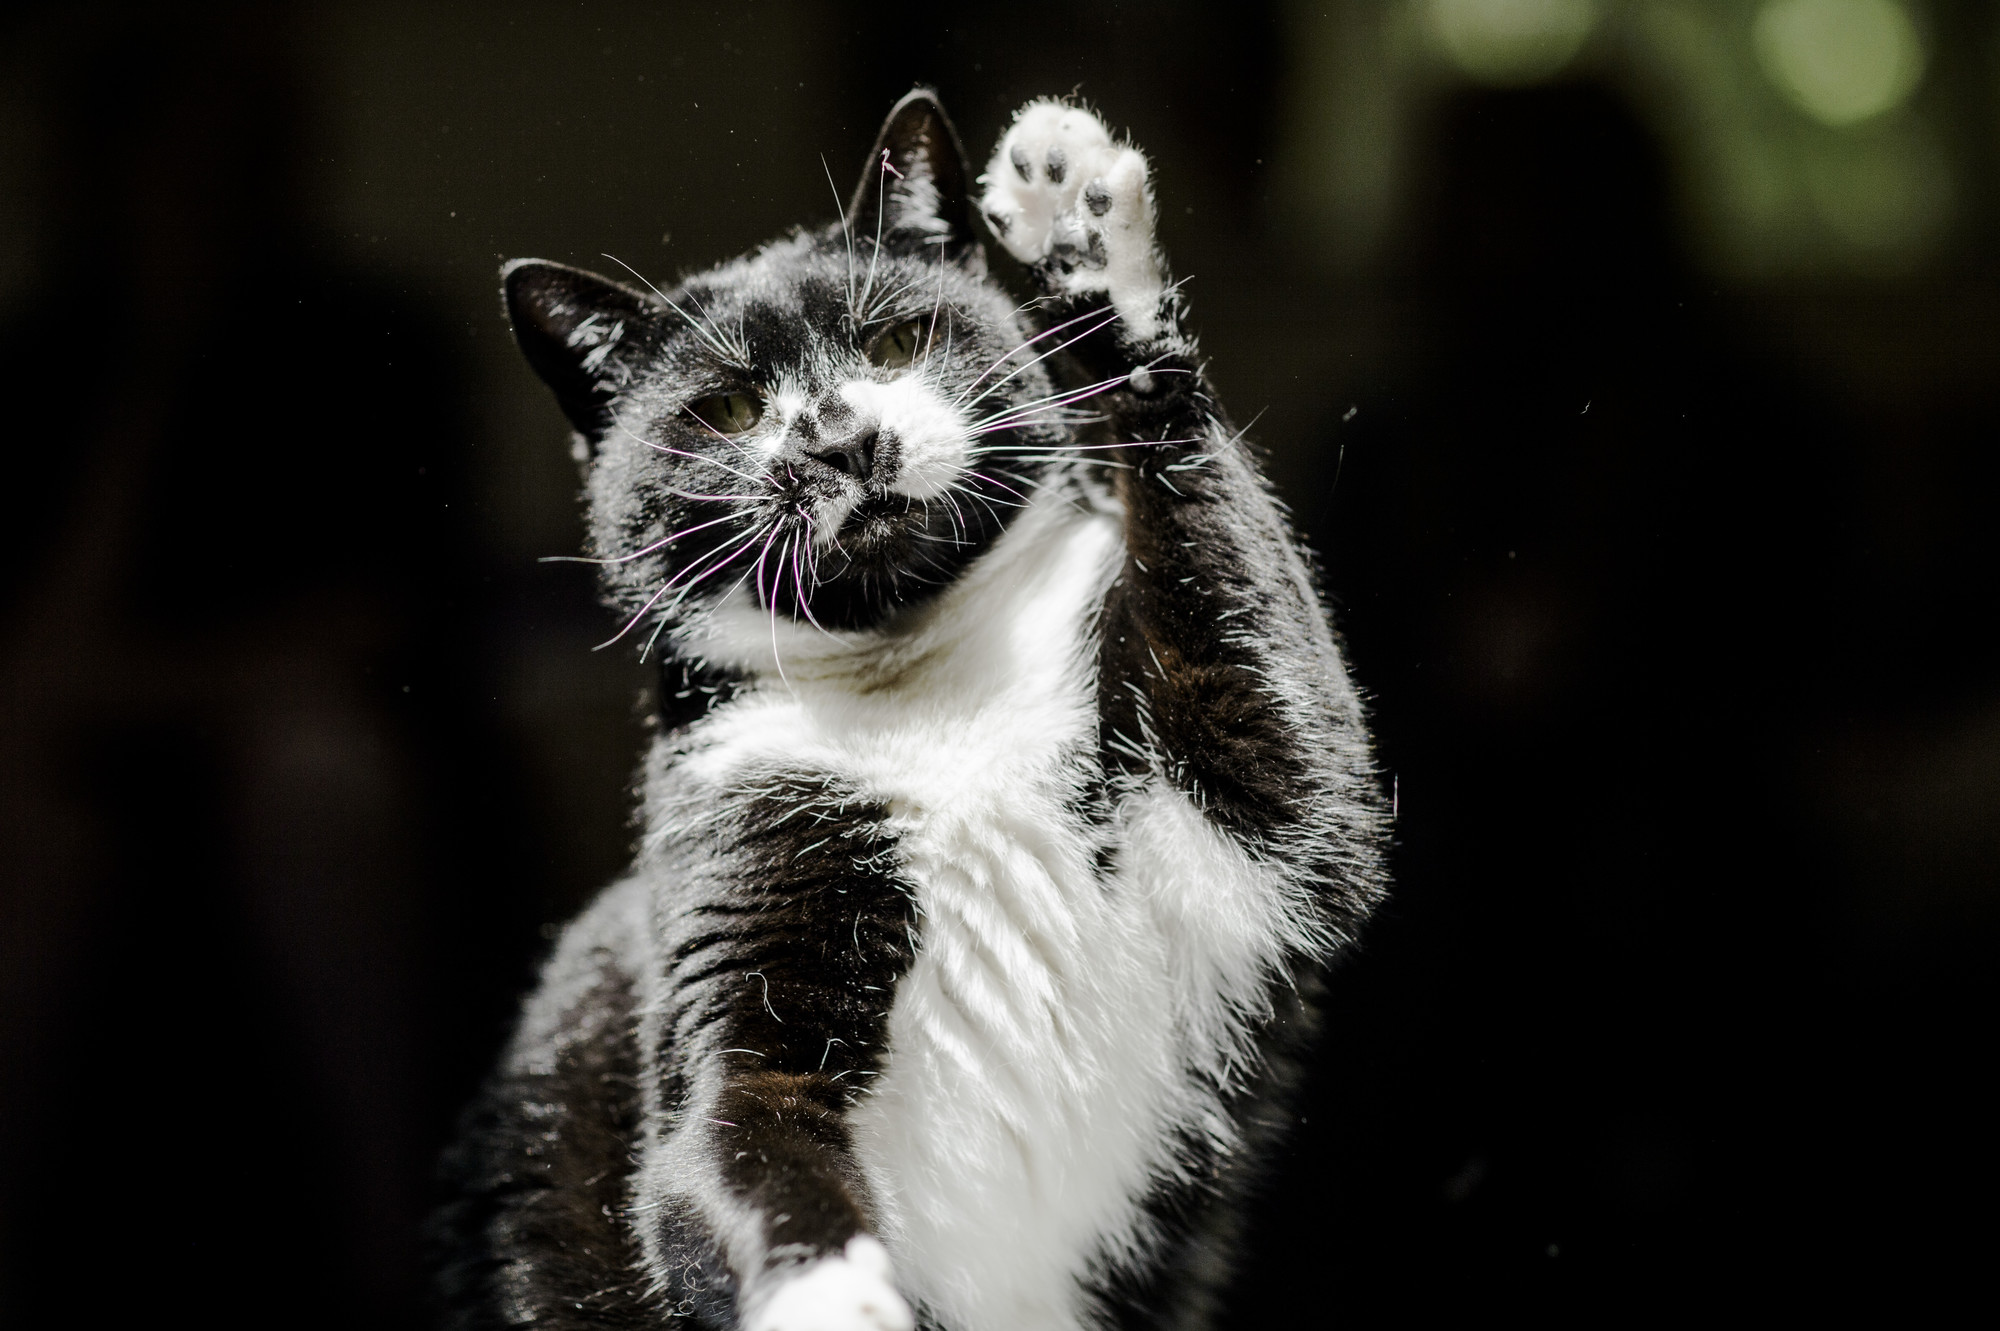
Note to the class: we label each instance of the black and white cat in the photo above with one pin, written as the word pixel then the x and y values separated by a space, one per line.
pixel 1010 796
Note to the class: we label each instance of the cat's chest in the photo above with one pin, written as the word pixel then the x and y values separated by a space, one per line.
pixel 1046 1046
pixel 1079 984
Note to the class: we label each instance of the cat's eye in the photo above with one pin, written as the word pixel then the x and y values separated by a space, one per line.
pixel 899 346
pixel 727 413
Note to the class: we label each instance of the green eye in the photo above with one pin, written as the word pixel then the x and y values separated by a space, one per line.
pixel 727 413
pixel 899 346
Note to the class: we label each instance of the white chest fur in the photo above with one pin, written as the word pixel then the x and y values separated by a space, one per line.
pixel 1057 1030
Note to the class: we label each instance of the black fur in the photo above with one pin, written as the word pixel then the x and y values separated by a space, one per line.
pixel 539 1231
pixel 688 689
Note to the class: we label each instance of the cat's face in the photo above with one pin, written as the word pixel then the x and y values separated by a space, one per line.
pixel 827 429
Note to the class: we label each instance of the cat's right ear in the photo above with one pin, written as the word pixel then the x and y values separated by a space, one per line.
pixel 579 331
pixel 915 192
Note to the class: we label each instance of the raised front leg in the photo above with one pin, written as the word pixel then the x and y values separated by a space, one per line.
pixel 1220 672
pixel 780 971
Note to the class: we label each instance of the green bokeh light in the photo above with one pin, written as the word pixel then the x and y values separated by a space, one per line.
pixel 1791 127
pixel 1511 42
pixel 1839 61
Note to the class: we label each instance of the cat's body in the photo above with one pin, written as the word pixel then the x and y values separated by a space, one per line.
pixel 1016 802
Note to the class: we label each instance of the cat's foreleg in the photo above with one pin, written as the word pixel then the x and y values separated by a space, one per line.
pixel 757 1175
pixel 777 991
pixel 1220 674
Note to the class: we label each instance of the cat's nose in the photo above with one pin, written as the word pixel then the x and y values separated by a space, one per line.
pixel 853 454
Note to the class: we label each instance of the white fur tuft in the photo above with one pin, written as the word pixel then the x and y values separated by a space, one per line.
pixel 850 1292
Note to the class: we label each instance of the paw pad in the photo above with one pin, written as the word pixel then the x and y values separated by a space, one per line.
pixel 1062 195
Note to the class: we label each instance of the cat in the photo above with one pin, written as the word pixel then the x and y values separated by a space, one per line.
pixel 1009 796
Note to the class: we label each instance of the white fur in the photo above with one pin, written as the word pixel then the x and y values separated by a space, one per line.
pixel 929 430
pixel 1042 1043
pixel 1040 217
pixel 784 402
pixel 850 1292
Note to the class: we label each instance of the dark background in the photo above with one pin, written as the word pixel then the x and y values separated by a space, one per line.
pixel 1646 423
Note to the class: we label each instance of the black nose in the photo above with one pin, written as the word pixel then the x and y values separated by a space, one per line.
pixel 853 455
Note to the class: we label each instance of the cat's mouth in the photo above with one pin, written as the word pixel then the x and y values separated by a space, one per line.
pixel 870 521
pixel 876 521
pixel 878 550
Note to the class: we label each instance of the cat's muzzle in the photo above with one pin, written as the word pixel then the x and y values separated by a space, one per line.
pixel 853 455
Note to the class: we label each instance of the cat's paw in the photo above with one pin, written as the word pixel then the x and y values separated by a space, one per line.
pixel 849 1292
pixel 1061 194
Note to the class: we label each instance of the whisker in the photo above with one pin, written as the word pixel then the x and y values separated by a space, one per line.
pixel 937 307
pixel 663 542
pixel 698 457
pixel 840 206
pixel 683 453
pixel 698 570
pixel 981 476
pixel 1070 457
pixel 737 444
pixel 800 559
pixel 762 554
pixel 654 599
pixel 881 211
pixel 1049 401
pixel 716 499
pixel 886 300
pixel 1014 416
pixel 988 502
pixel 712 568
pixel 738 349
pixel 728 356
pixel 998 384
pixel 985 449
pixel 958 515
pixel 771 604
pixel 1016 350
pixel 741 578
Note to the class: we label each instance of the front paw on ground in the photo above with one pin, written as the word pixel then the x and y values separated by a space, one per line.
pixel 848 1292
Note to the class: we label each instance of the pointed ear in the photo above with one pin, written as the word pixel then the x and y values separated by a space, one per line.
pixel 579 331
pixel 915 189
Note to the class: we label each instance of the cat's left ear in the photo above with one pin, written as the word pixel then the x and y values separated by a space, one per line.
pixel 580 332
pixel 915 188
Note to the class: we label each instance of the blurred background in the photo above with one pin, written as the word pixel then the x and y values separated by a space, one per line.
pixel 1633 363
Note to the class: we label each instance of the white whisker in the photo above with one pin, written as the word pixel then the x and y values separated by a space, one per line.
pixel 1014 351
pixel 881 212
pixel 1014 416
pixel 998 384
pixel 729 357
pixel 660 544
pixel 733 442
pixel 651 601
pixel 682 452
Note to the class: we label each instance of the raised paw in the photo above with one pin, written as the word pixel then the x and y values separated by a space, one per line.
pixel 1062 195
pixel 848 1292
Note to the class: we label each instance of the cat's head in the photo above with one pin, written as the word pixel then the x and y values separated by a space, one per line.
pixel 827 429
